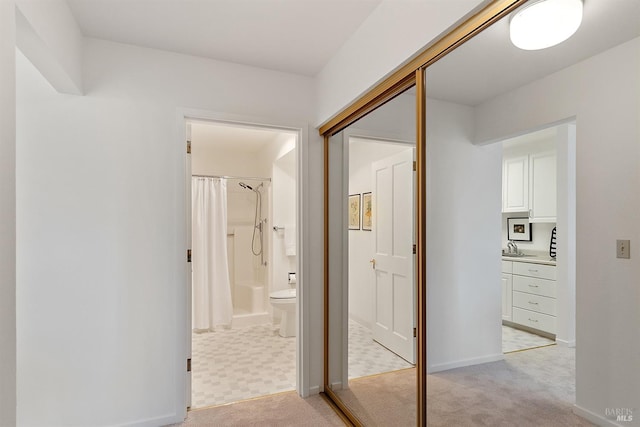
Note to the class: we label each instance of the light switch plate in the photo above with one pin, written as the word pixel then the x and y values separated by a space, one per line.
pixel 623 249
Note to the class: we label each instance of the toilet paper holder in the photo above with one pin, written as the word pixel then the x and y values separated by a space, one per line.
pixel 292 278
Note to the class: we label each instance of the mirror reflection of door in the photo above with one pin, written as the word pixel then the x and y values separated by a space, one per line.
pixel 393 262
pixel 373 371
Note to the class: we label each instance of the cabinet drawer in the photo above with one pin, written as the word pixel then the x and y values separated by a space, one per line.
pixel 535 270
pixel 507 267
pixel 546 288
pixel 540 321
pixel 537 303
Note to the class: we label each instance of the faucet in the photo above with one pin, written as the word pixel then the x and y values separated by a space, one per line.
pixel 512 247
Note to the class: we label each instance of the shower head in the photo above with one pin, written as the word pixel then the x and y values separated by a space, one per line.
pixel 243 185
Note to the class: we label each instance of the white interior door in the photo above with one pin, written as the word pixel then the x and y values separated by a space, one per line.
pixel 393 231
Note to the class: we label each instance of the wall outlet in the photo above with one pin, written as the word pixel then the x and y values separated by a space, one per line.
pixel 623 249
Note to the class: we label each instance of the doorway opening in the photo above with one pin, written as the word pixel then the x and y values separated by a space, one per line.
pixel 538 265
pixel 243 225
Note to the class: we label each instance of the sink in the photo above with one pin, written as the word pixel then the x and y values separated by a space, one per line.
pixel 515 255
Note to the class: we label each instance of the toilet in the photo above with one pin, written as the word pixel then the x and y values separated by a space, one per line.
pixel 285 300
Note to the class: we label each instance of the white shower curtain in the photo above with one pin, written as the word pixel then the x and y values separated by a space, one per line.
pixel 212 304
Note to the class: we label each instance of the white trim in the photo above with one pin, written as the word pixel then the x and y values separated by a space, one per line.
pixel 464 362
pixel 314 390
pixel 337 386
pixel 152 422
pixel 303 386
pixel 592 417
pixel 565 343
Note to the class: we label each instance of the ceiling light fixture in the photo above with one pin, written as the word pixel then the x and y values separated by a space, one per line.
pixel 545 23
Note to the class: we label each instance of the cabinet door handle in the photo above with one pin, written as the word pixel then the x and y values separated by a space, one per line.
pixel 533 286
pixel 373 263
pixel 534 303
pixel 533 270
pixel 533 320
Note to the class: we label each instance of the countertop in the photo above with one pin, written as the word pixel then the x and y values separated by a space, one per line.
pixel 532 257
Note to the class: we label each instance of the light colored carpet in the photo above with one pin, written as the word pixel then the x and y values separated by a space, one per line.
pixel 529 388
pixel 383 400
pixel 282 410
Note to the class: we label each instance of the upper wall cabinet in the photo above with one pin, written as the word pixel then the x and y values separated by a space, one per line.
pixel 542 187
pixel 529 185
pixel 515 184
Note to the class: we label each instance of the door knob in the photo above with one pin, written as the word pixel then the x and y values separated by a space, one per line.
pixel 373 263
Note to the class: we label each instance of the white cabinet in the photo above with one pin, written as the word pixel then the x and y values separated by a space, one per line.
pixel 532 295
pixel 507 280
pixel 515 184
pixel 542 187
pixel 529 185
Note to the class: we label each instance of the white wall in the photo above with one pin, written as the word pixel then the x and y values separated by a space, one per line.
pixel 603 93
pixel 362 153
pixel 463 240
pixel 370 54
pixel 7 214
pixel 284 215
pixel 102 271
pixel 49 36
pixel 566 240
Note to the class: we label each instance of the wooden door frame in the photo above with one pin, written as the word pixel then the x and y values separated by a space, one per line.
pixel 406 76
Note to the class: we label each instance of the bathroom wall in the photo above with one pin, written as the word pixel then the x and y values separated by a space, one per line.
pixel 284 215
pixel 362 153
pixel 211 158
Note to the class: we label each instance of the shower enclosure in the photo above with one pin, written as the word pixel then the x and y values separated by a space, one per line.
pixel 247 255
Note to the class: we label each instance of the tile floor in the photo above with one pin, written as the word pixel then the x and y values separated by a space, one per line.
pixel 229 365
pixel 235 364
pixel 515 339
pixel 367 357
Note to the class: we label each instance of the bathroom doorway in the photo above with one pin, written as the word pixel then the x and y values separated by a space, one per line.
pixel 243 226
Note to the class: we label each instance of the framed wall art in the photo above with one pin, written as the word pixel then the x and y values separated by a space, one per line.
pixel 519 229
pixel 367 212
pixel 354 212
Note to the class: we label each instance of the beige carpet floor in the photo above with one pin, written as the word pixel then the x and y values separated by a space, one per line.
pixel 281 410
pixel 529 388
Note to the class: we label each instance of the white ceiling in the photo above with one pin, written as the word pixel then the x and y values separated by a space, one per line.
pixel 489 65
pixel 300 36
pixel 296 36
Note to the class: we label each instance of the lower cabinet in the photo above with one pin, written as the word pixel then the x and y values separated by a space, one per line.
pixel 507 289
pixel 529 295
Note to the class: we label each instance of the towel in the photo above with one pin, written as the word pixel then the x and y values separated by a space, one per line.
pixel 290 240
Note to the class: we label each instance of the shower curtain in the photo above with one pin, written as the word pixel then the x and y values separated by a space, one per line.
pixel 212 304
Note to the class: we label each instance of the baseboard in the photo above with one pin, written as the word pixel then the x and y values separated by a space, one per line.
pixel 465 362
pixel 564 343
pixel 360 321
pixel 156 421
pixel 336 386
pixel 314 390
pixel 598 420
